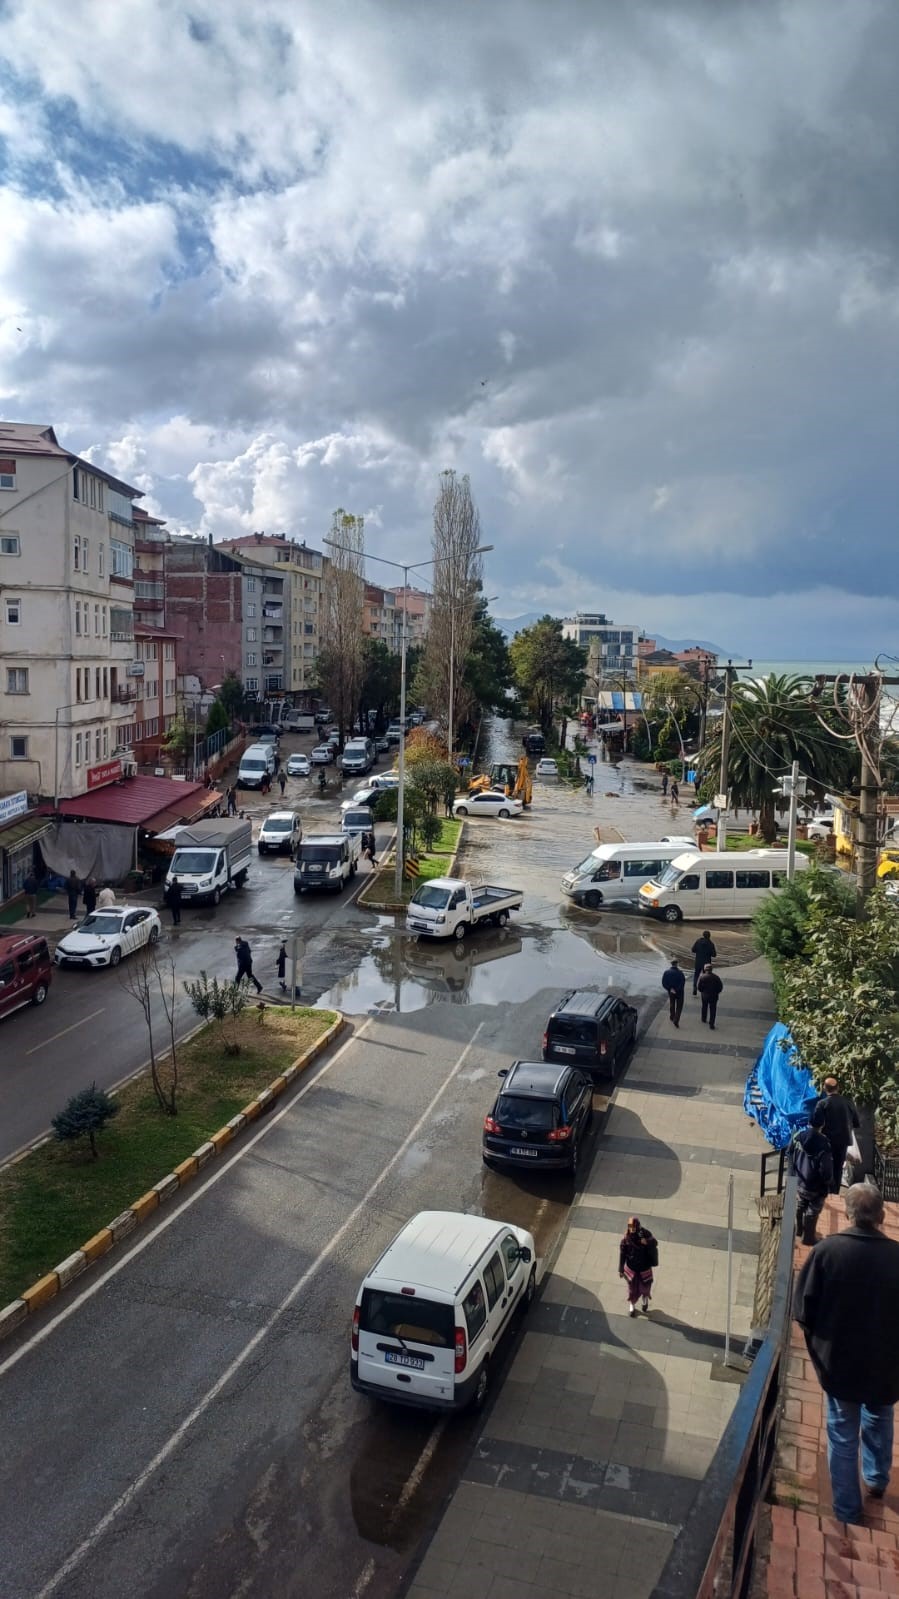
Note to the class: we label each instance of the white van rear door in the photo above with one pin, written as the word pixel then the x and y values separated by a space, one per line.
pixel 407 1344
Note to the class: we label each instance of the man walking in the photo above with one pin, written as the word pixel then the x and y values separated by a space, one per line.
pixel 703 951
pixel 244 957
pixel 231 807
pixel 847 1304
pixel 173 897
pixel 837 1118
pixel 282 782
pixel 674 983
pixel 811 1161
pixel 710 986
pixel 29 889
pixel 73 889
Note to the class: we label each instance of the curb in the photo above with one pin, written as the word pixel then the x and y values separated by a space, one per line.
pixel 391 905
pixel 53 1283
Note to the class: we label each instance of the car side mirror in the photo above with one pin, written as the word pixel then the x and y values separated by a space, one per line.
pixel 503 1071
pixel 524 1253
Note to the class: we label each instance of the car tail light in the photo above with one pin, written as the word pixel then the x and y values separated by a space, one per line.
pixel 559 1135
pixel 603 1046
pixel 461 1350
pixel 354 1338
pixel 545 1039
pixel 491 1126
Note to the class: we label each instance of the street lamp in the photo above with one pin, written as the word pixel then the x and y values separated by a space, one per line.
pixel 405 567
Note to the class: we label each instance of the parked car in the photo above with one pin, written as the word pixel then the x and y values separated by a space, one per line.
pixel 281 831
pixel 534 744
pixel 546 768
pixel 299 766
pixel 105 936
pixel 539 1118
pixel 492 802
pixel 322 755
pixel 593 1031
pixel 322 716
pixel 382 745
pixel 367 795
pixel 820 826
pixel 25 970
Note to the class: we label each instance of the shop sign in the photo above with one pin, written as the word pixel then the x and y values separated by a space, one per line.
pixel 12 805
pixel 109 772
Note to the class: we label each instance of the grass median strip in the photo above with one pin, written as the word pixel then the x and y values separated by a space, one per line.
pixel 56 1198
pixel 379 890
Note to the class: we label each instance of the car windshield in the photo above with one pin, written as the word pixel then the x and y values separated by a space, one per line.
pixel 255 765
pixel 357 818
pixel 588 864
pixel 409 1317
pixel 192 862
pixel 670 876
pixel 319 852
pixel 101 923
pixel 519 1111
pixel 278 824
pixel 431 898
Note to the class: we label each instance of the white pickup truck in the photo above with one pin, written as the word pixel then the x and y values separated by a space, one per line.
pixel 446 907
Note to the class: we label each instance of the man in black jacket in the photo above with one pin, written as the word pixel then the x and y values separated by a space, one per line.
pixel 710 986
pixel 812 1162
pixel 837 1118
pixel 847 1304
pixel 703 951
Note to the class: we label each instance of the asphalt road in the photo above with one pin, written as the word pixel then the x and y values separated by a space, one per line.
pixel 90 1028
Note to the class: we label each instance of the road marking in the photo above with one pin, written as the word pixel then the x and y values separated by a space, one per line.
pixel 124 1500
pixel 52 1040
pixel 413 1481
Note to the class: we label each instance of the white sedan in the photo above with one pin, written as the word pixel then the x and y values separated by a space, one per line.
pixel 546 768
pixel 322 755
pixel 492 802
pixel 105 936
pixel 298 766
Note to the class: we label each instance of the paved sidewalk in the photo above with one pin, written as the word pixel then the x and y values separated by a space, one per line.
pixel 592 1454
pixel 812 1555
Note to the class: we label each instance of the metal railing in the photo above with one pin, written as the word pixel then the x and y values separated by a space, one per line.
pixel 713 1554
pixel 771 1155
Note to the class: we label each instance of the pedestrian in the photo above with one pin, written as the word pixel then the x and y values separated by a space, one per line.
pixel 837 1118
pixel 638 1253
pixel 245 963
pixel 89 895
pixel 282 782
pixel 675 795
pixel 368 848
pixel 703 951
pixel 266 783
pixel 710 986
pixel 73 889
pixel 231 808
pixel 173 898
pixel 277 763
pixel 588 781
pixel 281 965
pixel 664 784
pixel 812 1162
pixel 847 1304
pixel 674 982
pixel 106 897
pixel 29 889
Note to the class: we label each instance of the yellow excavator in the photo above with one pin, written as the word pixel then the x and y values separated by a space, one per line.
pixel 513 777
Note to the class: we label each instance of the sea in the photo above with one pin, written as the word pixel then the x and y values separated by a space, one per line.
pixel 889 712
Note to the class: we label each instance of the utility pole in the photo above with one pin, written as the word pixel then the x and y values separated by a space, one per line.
pixel 792 788
pixel 722 799
pixel 869 791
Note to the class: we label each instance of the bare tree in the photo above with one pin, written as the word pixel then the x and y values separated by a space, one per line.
pixel 149 976
pixel 340 662
pixel 457 584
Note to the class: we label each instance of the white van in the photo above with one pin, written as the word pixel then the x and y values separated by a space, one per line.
pixel 431 1312
pixel 716 886
pixel 615 872
pixel 298 722
pixel 255 763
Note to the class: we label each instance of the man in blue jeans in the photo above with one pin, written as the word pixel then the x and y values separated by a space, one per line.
pixel 847 1304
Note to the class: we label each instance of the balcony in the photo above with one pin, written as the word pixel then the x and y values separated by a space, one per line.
pixel 124 694
pixel 273 635
pixel 272 613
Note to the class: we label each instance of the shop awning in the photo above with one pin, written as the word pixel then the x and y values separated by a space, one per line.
pixel 138 801
pixel 24 832
pixel 176 816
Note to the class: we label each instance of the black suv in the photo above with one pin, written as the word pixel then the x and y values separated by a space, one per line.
pixel 534 744
pixel 539 1118
pixel 592 1031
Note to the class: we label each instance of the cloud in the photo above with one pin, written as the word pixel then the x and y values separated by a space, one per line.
pixel 632 268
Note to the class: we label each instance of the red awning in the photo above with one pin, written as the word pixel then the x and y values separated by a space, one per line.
pixel 138 801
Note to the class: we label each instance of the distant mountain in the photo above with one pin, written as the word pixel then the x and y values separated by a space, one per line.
pixel 511 625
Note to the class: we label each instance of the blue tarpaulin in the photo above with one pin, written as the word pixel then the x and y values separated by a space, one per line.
pixel 780 1091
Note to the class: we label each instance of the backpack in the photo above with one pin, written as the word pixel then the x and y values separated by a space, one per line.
pixel 810 1168
pixel 652 1250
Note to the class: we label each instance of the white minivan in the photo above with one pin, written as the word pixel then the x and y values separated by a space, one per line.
pixel 431 1312
pixel 716 886
pixel 256 763
pixel 615 872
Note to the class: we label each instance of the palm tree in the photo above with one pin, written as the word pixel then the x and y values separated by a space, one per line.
pixel 775 721
pixel 675 696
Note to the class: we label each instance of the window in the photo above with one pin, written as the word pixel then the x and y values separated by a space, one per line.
pixel 510 1247
pixel 642 869
pixel 105 681
pixel 753 880
pixel 77 552
pixel 17 680
pixel 98 682
pixel 719 879
pixel 85 552
pixel 105 619
pixel 251 659
pixel 251 635
pixel 96 743
pixel 169 687
pixel 13 612
pixel 105 742
pixel 778 879
pixel 169 652
pixel 475 1311
pixel 96 621
pixel 121 558
pixel 18 747
pixel 7 474
pixel 77 749
pixel 689 880
pixel 252 684
pixel 251 612
pixel 494 1279
pixel 251 585
pixel 77 618
pixel 101 559
pixel 9 544
pixel 151 688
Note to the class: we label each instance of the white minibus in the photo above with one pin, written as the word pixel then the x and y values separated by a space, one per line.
pixel 716 886
pixel 615 872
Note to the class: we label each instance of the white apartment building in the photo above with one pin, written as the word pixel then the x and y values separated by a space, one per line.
pixel 67 691
pixel 613 645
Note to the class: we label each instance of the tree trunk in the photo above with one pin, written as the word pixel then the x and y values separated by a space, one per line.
pixel 767 827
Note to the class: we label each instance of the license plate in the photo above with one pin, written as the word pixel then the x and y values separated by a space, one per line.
pixel 393 1358
pixel 564 1049
pixel 530 1153
pixel 422 925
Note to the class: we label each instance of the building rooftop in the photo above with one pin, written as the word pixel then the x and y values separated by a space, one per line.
pixel 35 438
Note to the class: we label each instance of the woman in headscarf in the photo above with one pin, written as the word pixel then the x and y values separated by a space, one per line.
pixel 638 1253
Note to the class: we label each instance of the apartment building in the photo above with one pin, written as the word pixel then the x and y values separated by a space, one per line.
pixel 289 617
pixel 151 539
pixel 382 617
pixel 66 617
pixel 418 614
pixel 615 646
pixel 155 673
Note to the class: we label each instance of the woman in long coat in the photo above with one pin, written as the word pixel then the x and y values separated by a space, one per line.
pixel 638 1253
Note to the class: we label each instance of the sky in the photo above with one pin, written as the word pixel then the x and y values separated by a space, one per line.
pixel 633 268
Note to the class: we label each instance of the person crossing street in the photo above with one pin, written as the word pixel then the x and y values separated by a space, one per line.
pixel 244 957
pixel 703 951
pixel 674 983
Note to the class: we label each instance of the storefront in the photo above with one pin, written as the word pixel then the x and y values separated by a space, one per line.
pixel 19 833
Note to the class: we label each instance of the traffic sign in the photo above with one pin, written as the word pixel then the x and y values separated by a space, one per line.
pixel 592 759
